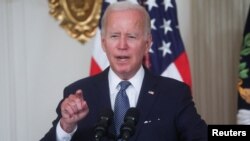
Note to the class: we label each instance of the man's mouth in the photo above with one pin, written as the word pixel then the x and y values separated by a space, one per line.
pixel 122 58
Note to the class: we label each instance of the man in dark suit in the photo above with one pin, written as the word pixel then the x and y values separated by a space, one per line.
pixel 167 112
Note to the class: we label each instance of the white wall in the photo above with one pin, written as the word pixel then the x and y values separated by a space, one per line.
pixel 38 59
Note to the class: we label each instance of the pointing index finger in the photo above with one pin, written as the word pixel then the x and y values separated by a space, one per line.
pixel 79 94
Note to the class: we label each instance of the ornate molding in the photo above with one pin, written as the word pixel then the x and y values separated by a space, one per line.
pixel 78 17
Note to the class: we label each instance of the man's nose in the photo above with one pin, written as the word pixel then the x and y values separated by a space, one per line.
pixel 123 43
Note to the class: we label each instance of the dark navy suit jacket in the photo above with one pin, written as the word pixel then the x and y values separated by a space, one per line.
pixel 167 112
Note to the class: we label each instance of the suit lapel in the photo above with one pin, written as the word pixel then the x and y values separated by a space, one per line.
pixel 103 96
pixel 102 86
pixel 146 99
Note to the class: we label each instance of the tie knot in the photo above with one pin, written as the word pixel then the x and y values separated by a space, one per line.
pixel 124 85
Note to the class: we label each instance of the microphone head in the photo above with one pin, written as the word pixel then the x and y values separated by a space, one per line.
pixel 130 120
pixel 101 127
pixel 132 115
pixel 106 114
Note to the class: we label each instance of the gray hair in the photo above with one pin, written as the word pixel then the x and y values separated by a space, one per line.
pixel 126 5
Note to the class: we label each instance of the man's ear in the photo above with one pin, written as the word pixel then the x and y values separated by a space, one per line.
pixel 103 43
pixel 148 42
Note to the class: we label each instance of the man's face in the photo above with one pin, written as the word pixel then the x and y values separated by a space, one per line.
pixel 125 42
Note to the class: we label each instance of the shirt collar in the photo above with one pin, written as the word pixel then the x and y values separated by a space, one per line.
pixel 136 80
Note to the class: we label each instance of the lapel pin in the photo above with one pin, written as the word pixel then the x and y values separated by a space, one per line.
pixel 151 92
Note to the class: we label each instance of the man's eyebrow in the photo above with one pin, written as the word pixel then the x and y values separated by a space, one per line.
pixel 110 33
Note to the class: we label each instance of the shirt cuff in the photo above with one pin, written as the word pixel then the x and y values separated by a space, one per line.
pixel 61 135
pixel 243 117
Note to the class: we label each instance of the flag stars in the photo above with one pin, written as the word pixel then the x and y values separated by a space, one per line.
pixel 165 48
pixel 153 24
pixel 167 26
pixel 151 4
pixel 167 3
pixel 151 48
pixel 133 1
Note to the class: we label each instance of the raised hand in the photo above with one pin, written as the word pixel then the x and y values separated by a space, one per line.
pixel 73 109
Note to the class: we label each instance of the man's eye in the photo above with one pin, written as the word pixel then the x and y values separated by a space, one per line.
pixel 132 37
pixel 114 36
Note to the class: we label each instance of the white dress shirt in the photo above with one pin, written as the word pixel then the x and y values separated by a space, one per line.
pixel 243 117
pixel 132 91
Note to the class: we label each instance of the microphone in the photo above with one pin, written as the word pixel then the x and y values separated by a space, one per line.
pixel 130 120
pixel 103 124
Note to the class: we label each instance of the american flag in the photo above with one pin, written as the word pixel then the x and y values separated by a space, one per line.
pixel 167 56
